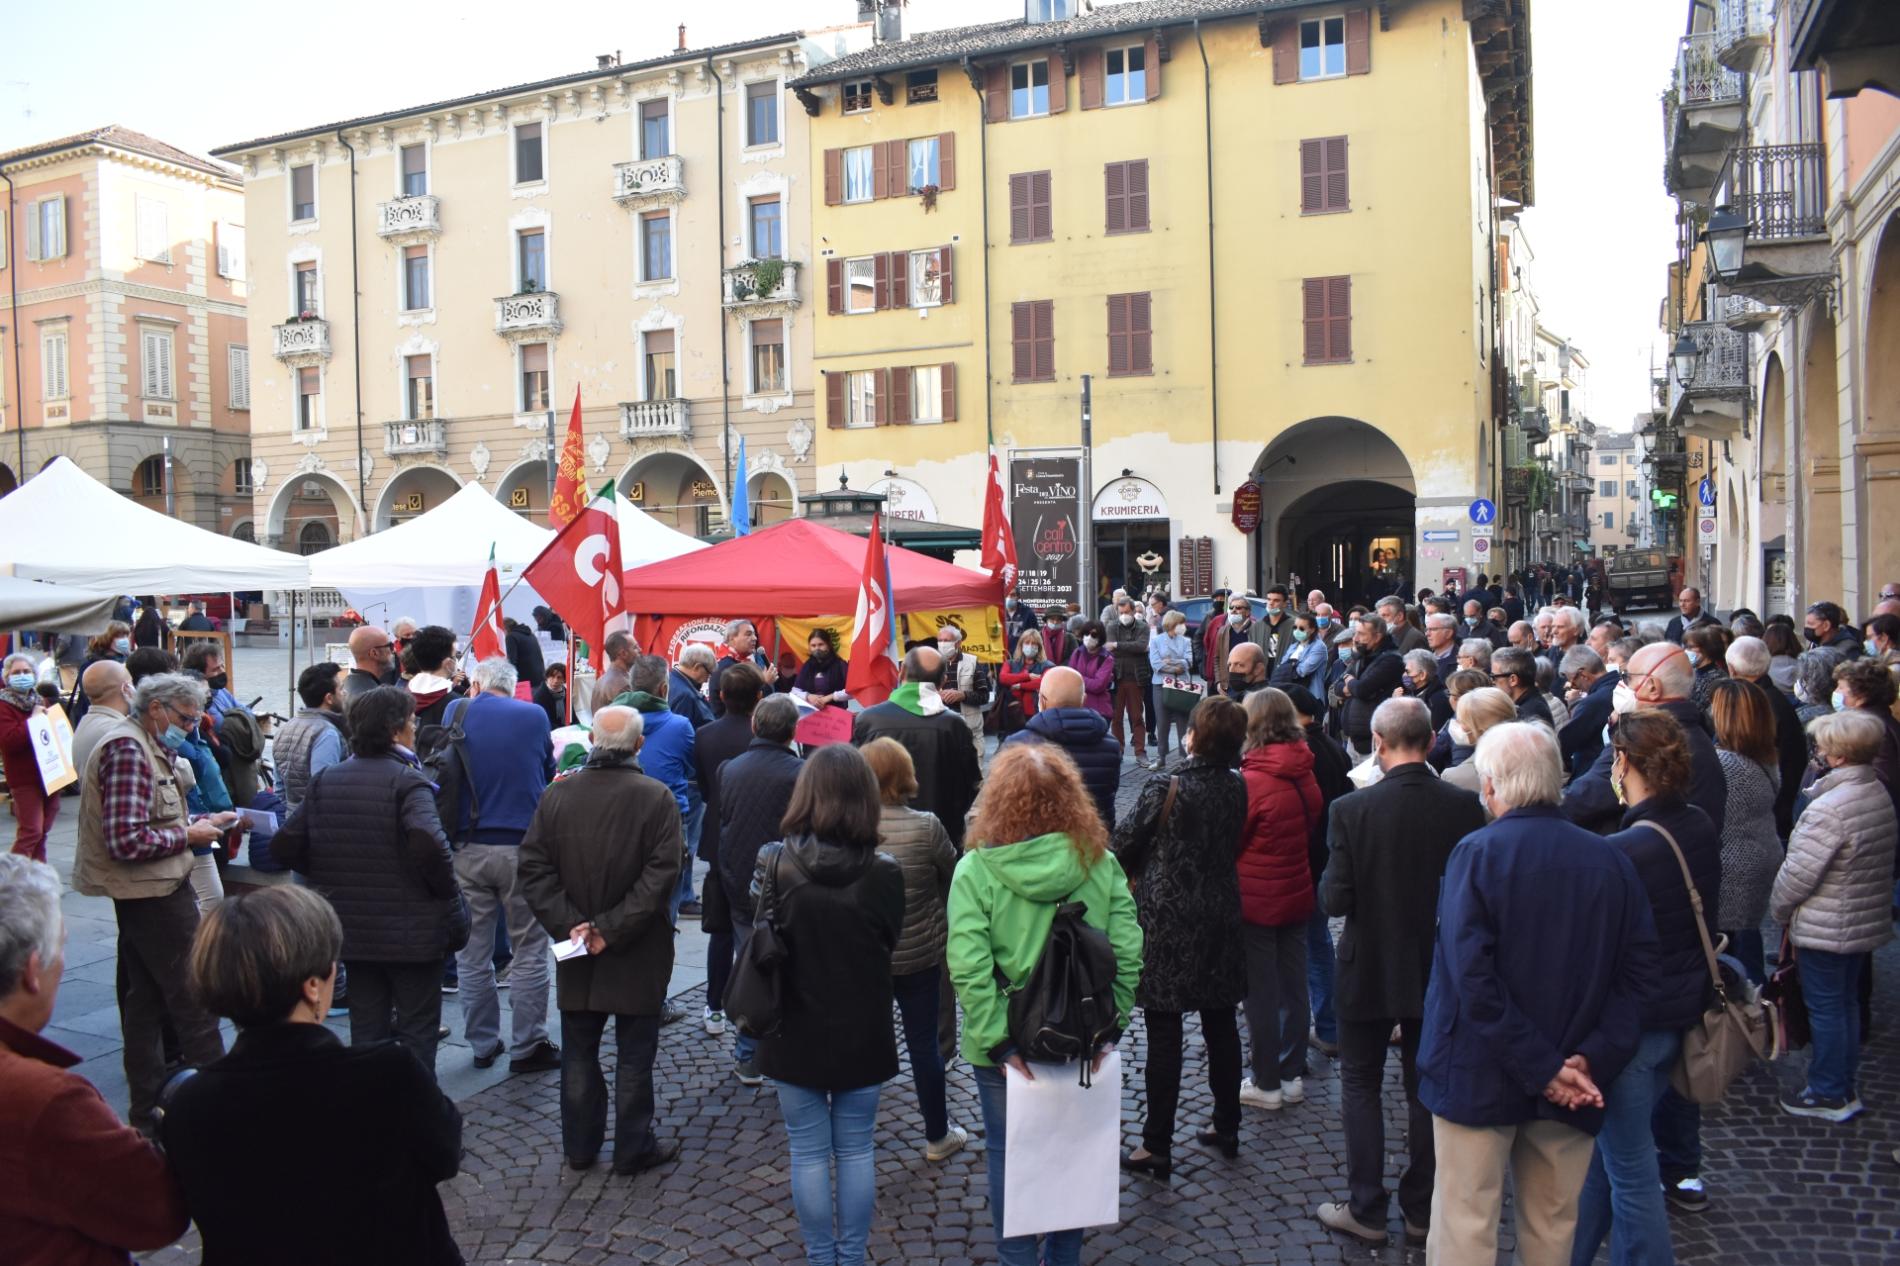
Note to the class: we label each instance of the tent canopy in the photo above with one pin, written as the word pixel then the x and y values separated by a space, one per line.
pixel 799 568
pixel 446 547
pixel 32 604
pixel 65 526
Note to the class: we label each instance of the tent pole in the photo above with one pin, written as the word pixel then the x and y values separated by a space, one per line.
pixel 293 643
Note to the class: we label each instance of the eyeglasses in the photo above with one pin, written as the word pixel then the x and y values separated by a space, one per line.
pixel 188 720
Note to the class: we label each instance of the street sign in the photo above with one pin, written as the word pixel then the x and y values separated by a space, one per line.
pixel 1705 491
pixel 1441 534
pixel 1483 513
pixel 1705 529
pixel 1481 546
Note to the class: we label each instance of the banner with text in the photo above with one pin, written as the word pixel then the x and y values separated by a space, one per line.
pixel 1046 516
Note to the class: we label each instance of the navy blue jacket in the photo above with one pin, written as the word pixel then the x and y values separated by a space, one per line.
pixel 683 697
pixel 1582 736
pixel 754 789
pixel 1544 943
pixel 1591 802
pixel 1680 985
pixel 511 763
pixel 1083 734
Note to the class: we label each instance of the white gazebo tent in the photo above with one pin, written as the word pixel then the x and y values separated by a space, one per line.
pixel 65 526
pixel 48 608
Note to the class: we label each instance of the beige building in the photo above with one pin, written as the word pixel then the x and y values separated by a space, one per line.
pixel 432 284
pixel 1619 508
pixel 122 297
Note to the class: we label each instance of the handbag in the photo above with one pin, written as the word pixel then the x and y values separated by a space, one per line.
pixel 1734 1030
pixel 1783 991
pixel 755 993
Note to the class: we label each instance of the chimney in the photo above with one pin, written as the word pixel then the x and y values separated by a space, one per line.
pixel 606 61
pixel 890 21
pixel 682 37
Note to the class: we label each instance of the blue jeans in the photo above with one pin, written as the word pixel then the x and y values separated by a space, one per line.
pixel 690 826
pixel 1745 945
pixel 1622 1195
pixel 822 1126
pixel 1831 983
pixel 916 995
pixel 1319 975
pixel 1677 1125
pixel 1057 1248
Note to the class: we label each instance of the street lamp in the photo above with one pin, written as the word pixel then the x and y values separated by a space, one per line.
pixel 1685 356
pixel 1725 232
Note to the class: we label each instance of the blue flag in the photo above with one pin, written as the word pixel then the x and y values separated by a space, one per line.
pixel 741 502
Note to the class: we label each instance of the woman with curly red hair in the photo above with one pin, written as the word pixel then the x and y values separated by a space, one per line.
pixel 1037 842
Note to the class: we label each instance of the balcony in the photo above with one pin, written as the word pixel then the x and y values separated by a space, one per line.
pixel 651 182
pixel 409 221
pixel 411 438
pixel 303 342
pixel 1744 30
pixel 1702 115
pixel 1738 312
pixel 762 287
pixel 535 314
pixel 1856 42
pixel 1535 423
pixel 656 419
pixel 1780 191
pixel 1712 403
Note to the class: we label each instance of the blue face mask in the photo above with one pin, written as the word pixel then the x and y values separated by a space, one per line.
pixel 122 645
pixel 174 737
pixel 1324 621
pixel 21 681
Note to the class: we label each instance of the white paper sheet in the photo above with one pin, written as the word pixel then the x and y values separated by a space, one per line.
pixel 1064 1149
pixel 564 950
pixel 263 821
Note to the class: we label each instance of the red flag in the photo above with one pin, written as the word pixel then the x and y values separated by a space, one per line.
pixel 487 642
pixel 579 573
pixel 872 675
pixel 999 545
pixel 570 487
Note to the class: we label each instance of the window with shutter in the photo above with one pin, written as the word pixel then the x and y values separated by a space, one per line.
pixel 1029 212
pixel 946 160
pixel 860 284
pixel 415 170
pixel 655 141
pixel 240 364
pixel 1326 311
pixel 924 270
pixel 947 373
pixel 860 173
pixel 768 355
pixel 154 230
pixel 419 396
pixel 1125 185
pixel 899 381
pixel 303 192
pixel 1029 89
pixel 415 278
pixel 157 364
pixel 1032 338
pixel 881 280
pixel 1126 75
pixel 1130 335
pixel 1323 185
pixel 231 251
pixel 309 399
pixel 926 394
pixel 53 378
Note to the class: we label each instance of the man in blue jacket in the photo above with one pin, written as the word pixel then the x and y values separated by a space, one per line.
pixel 1544 942
pixel 1081 732
pixel 1657 676
pixel 1592 690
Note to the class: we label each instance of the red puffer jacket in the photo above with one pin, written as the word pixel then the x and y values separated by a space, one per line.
pixel 1283 806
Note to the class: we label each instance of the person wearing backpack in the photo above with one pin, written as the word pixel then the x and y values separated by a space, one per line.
pixel 837 904
pixel 1037 843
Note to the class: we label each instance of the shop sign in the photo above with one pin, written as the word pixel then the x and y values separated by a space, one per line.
pixel 1128 499
pixel 1247 508
pixel 906 499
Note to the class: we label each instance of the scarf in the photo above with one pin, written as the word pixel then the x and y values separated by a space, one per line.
pixel 24 700
pixel 602 758
pixel 919 698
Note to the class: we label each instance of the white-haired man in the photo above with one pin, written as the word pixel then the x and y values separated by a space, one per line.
pixel 598 865
pixel 1441 639
pixel 510 760
pixel 966 681
pixel 1544 939
pixel 742 646
pixel 1657 676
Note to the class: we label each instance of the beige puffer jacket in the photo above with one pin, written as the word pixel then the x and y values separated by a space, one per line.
pixel 924 851
pixel 1835 888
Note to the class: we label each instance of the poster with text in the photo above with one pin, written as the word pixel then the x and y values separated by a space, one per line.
pixel 1046 515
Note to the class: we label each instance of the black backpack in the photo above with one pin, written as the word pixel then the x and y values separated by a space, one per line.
pixel 1066 1008
pixel 443 751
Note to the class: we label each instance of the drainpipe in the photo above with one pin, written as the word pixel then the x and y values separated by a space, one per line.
pixel 13 299
pixel 983 185
pixel 356 339
pixel 1213 328
pixel 725 358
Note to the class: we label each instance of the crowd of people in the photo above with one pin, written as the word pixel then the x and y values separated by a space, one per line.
pixel 1525 819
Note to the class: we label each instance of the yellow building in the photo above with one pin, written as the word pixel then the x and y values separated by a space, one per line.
pixel 1265 233
pixel 430 286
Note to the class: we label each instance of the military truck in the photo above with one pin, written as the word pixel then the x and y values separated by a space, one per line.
pixel 1639 580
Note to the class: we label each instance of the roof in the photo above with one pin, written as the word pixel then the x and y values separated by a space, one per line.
pixel 542 85
pixel 117 137
pixel 997 38
pixel 1615 439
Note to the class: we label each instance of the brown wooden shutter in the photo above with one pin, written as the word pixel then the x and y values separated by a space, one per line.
pixel 1359 41
pixel 880 171
pixel 946 161
pixel 834 286
pixel 1022 341
pixel 1313 315
pixel 1138 196
pixel 1091 74
pixel 834 400
pixel 834 177
pixel 1286 52
pixel 1151 56
pixel 1045 326
pixel 1339 318
pixel 900 279
pixel 1312 177
pixel 1041 222
pixel 1020 188
pixel 880 397
pixel 1117 334
pixel 880 281
pixel 1058 87
pixel 996 92
pixel 944 255
pixel 1338 189
pixel 1115 194
pixel 948 372
pixel 901 412
pixel 899 160
pixel 1140 334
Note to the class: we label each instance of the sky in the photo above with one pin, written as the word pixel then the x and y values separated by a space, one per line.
pixel 225 71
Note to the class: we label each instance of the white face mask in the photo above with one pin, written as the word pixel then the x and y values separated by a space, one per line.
pixel 1091 641
pixel 1839 701
pixel 1127 617
pixel 1622 699
pixel 1235 619
pixel 946 649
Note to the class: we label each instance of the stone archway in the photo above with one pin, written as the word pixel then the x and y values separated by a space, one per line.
pixel 8 480
pixel 523 489
pixel 1339 509
pixel 412 492
pixel 148 485
pixel 770 498
pixel 310 497
pixel 1821 462
pixel 1877 446
pixel 678 490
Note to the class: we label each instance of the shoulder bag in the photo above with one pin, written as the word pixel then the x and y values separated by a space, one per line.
pixel 1783 992
pixel 755 993
pixel 1733 1032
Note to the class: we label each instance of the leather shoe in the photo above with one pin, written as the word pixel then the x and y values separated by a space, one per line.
pixel 1229 1144
pixel 544 1057
pixel 577 1163
pixel 1152 1164
pixel 488 1060
pixel 1338 1217
pixel 654 1157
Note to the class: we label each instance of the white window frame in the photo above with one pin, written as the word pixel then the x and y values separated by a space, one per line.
pixel 640 223
pixel 37 248
pixel 870 271
pixel 243 480
pixel 402 280
pixel 237 367
pixel 520 388
pixel 1110 78
pixel 295 297
pixel 151 218
pixel 435 393
pixel 932 148
pixel 751 239
pixel 317 427
pixel 1300 48
pixel 1050 10
pixel 428 167
pixel 56 354
pixel 866 97
pixel 157 357
pixel 290 195
pixel 640 129
pixel 869 184
pixel 231 248
pixel 934 395
pixel 640 370
pixel 914 277
pixel 514 154
pixel 547 257
pixel 860 399
pixel 753 386
pixel 778 113
pixel 1029 79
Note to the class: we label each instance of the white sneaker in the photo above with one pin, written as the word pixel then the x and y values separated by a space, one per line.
pixel 715 1022
pixel 1254 1097
pixel 949 1145
pixel 1293 1091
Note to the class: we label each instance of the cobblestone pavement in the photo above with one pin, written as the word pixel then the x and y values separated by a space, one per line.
pixel 1783 1190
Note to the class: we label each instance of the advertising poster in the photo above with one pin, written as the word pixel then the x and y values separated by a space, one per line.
pixel 1045 514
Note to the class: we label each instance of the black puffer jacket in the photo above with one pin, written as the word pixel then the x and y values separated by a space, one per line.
pixel 1083 734
pixel 754 789
pixel 1680 986
pixel 367 836
pixel 1373 682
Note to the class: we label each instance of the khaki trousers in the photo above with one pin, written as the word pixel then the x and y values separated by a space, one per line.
pixel 1547 1162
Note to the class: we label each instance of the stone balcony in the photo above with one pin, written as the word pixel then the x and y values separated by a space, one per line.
pixel 408 221
pixel 301 342
pixel 411 438
pixel 1712 403
pixel 761 287
pixel 1702 116
pixel 531 315
pixel 656 419
pixel 650 182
